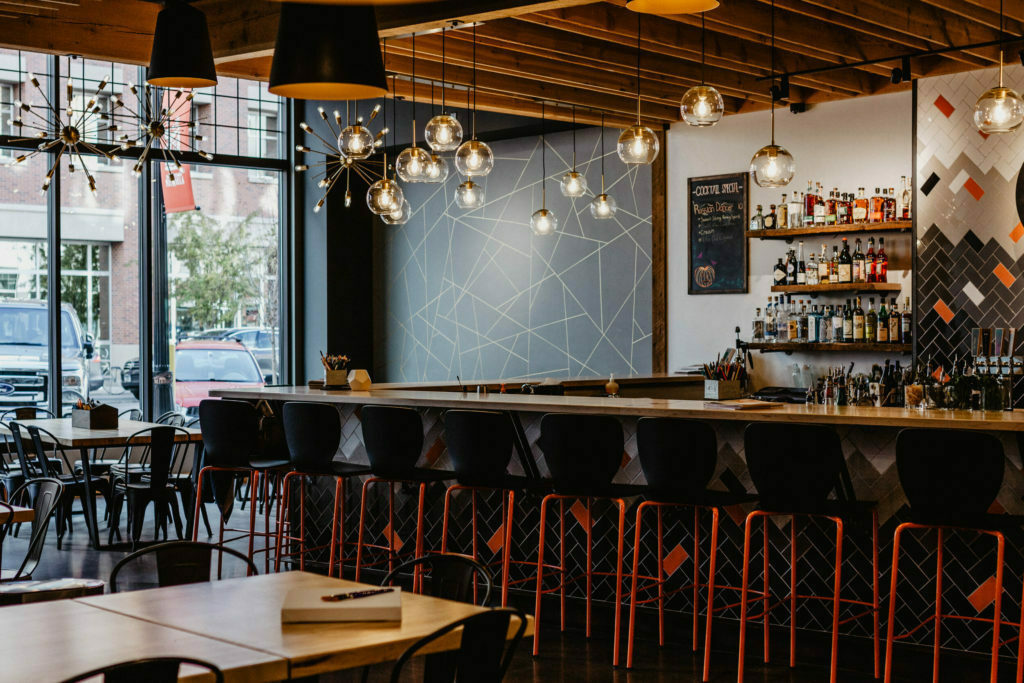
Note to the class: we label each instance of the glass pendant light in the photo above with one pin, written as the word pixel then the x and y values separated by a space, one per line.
pixel 638 144
pixel 355 141
pixel 412 163
pixel 385 196
pixel 469 195
pixel 999 109
pixel 772 165
pixel 474 158
pixel 603 206
pixel 702 104
pixel 399 216
pixel 437 169
pixel 543 222
pixel 443 132
pixel 671 6
pixel 181 55
pixel 574 183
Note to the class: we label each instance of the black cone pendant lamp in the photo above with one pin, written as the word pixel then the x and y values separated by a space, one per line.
pixel 181 56
pixel 327 52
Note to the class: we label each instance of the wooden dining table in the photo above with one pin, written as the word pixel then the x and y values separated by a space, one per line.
pixel 246 612
pixel 21 514
pixel 86 441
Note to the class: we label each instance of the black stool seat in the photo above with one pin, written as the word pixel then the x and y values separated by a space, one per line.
pixel 268 464
pixel 600 490
pixel 704 498
pixel 334 468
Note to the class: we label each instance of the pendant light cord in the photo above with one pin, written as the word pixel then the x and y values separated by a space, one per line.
pixel 543 163
pixel 474 81
pixel 602 152
pixel 772 92
pixel 702 48
pixel 442 70
pixel 414 90
pixel 1002 36
pixel 574 138
pixel 638 16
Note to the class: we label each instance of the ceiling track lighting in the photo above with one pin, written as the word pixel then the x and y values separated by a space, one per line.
pixel 702 105
pixel 181 56
pixel 999 109
pixel 474 158
pixel 603 206
pixel 671 6
pixel 543 222
pixel 327 52
pixel 772 165
pixel 574 183
pixel 638 144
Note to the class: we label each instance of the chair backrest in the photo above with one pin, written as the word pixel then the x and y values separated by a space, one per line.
pixel 151 670
pixel 677 456
pixel 171 418
pixel 181 562
pixel 160 445
pixel 480 445
pixel 484 653
pixel 6 522
pixel 45 464
pixel 27 468
pixel 131 414
pixel 393 437
pixel 313 433
pixel 449 576
pixel 25 413
pixel 793 466
pixel 44 496
pixel 949 474
pixel 583 452
pixel 229 432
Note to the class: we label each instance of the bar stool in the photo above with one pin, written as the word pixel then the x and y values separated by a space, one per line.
pixel 678 458
pixel 393 437
pixel 229 439
pixel 583 453
pixel 795 468
pixel 480 445
pixel 950 478
pixel 313 432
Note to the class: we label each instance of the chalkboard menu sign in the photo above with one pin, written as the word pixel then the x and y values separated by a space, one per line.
pixel 717 208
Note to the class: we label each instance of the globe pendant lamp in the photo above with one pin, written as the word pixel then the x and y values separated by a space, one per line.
pixel 574 183
pixel 327 52
pixel 638 144
pixel 543 222
pixel 474 158
pixel 702 105
pixel 385 196
pixel 999 109
pixel 355 140
pixel 671 6
pixel 772 165
pixel 437 169
pixel 603 206
pixel 469 195
pixel 443 132
pixel 181 55
pixel 412 163
pixel 399 216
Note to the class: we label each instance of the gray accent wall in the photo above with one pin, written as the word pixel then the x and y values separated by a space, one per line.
pixel 476 294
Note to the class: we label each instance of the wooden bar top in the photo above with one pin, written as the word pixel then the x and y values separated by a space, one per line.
pixel 572 383
pixel 645 407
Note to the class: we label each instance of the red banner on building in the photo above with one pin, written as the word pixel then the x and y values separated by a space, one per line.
pixel 177 182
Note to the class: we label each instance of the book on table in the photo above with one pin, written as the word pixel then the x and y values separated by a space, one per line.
pixel 307 605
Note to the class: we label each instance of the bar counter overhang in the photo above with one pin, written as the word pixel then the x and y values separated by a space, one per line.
pixel 868 437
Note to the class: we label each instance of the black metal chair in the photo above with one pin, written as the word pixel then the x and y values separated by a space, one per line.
pixel 151 670
pixel 184 478
pixel 313 433
pixel 484 653
pixel 950 478
pixel 44 497
pixel 795 469
pixel 181 562
pixel 678 458
pixel 6 522
pixel 133 464
pixel 393 437
pixel 154 488
pixel 13 474
pixel 448 576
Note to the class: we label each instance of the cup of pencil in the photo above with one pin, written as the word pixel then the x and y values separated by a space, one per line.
pixel 724 380
pixel 335 371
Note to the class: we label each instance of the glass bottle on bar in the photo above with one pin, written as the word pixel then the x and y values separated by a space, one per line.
pixel 858 323
pixel 819 206
pixel 783 219
pixel 771 220
pixel 790 267
pixel 858 274
pixel 825 325
pixel 890 206
pixel 757 327
pixel 833 266
pixel 769 322
pixel 757 220
pixel 842 209
pixel 811 276
pixel 813 325
pixel 906 324
pixel 848 322
pixel 894 322
pixel 781 321
pixel 876 207
pixel 845 269
pixel 837 325
pixel 907 193
pixel 831 210
pixel 860 207
pixel 871 323
pixel 779 273
pixel 870 262
pixel 796 211
pixel 793 320
pixel 823 266
pixel 801 322
pixel 801 267
pixel 883 322
pixel 882 262
pixel 809 201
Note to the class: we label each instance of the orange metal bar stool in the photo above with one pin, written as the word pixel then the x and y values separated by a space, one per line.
pixel 480 446
pixel 950 478
pixel 313 432
pixel 678 458
pixel 583 453
pixel 795 468
pixel 393 437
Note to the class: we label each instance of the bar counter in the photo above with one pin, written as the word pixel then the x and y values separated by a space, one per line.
pixel 645 407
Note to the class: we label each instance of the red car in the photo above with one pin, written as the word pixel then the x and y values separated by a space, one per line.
pixel 200 366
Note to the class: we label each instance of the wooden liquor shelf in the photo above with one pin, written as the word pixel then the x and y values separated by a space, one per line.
pixel 789 347
pixel 839 287
pixel 790 233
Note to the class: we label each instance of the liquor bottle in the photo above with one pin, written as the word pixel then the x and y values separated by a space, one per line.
pixel 845 264
pixel 882 262
pixel 894 322
pixel 779 273
pixel 837 325
pixel 783 221
pixel 876 207
pixel 870 264
pixel 769 322
pixel 793 318
pixel 809 201
pixel 890 205
pixel 907 193
pixel 802 321
pixel 791 268
pixel 811 276
pixel 848 322
pixel 858 274
pixel 858 323
pixel 871 323
pixel 883 323
pixel 823 267
pixel 906 324
pixel 757 327
pixel 819 207
pixel 813 325
pixel 849 209
pixel 842 209
pixel 860 207
pixel 796 211
pixel 801 267
pixel 825 325
pixel 833 266
pixel 771 220
pixel 757 221
pixel 831 210
pixel 781 321
pixel 900 198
